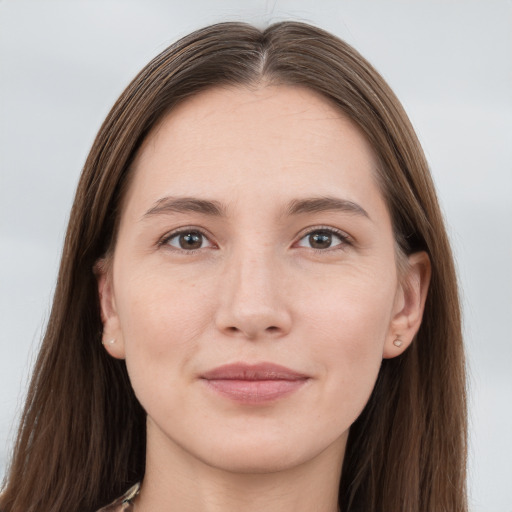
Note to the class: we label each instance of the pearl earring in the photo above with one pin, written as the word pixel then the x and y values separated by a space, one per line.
pixel 109 342
pixel 398 342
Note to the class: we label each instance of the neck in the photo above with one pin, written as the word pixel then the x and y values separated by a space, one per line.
pixel 175 480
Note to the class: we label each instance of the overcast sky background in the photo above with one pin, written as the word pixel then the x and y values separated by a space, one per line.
pixel 63 64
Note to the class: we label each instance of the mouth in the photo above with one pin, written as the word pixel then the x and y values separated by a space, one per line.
pixel 254 384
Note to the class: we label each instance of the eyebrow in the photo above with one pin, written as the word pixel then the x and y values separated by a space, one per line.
pixel 325 204
pixel 171 204
pixel 184 205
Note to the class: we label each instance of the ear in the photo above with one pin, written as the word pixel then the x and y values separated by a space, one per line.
pixel 409 305
pixel 112 337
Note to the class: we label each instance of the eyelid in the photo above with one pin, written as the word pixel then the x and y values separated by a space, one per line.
pixel 345 238
pixel 185 229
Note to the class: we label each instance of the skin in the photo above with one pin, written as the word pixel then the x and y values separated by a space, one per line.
pixel 255 290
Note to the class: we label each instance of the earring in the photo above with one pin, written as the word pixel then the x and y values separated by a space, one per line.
pixel 109 342
pixel 398 342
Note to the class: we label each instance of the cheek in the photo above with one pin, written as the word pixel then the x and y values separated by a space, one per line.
pixel 162 320
pixel 160 307
pixel 354 305
pixel 347 321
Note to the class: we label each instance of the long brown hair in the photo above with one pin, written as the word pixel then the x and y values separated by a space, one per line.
pixel 81 440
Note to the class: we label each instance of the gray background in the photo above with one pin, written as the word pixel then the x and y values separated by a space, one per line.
pixel 63 64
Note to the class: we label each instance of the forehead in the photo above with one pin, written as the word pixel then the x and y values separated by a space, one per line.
pixel 232 142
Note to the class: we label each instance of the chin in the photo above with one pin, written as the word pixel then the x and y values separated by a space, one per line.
pixel 260 455
pixel 255 461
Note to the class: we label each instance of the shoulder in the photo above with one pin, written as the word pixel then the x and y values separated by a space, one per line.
pixel 123 503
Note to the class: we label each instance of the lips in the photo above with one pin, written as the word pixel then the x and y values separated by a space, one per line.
pixel 253 384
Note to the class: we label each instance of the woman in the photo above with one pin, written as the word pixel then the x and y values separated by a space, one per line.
pixel 257 305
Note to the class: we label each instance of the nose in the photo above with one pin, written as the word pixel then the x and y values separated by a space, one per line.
pixel 252 299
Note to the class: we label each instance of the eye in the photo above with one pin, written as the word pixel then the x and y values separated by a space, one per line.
pixel 323 239
pixel 188 240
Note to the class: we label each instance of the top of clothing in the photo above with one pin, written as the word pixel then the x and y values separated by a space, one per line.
pixel 124 503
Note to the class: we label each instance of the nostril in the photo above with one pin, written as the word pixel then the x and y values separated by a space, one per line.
pixel 272 328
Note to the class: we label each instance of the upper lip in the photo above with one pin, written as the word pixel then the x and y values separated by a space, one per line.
pixel 260 371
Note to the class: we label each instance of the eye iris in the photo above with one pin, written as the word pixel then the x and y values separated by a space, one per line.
pixel 190 240
pixel 320 240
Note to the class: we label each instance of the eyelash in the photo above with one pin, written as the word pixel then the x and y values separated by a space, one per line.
pixel 164 241
pixel 344 238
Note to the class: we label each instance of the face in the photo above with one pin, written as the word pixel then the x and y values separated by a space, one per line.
pixel 253 289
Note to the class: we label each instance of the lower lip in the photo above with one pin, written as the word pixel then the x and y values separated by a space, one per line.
pixel 255 391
